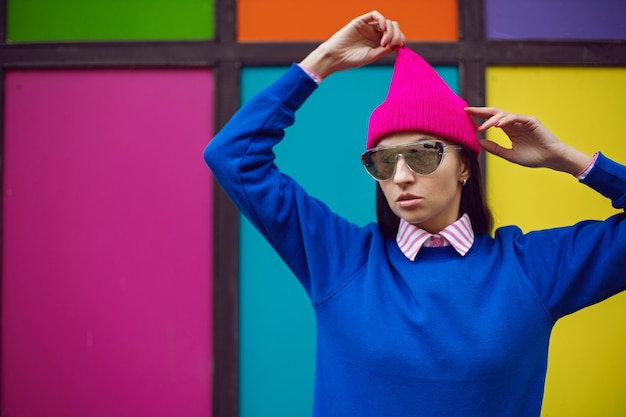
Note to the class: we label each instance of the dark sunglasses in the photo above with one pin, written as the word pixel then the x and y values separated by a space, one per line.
pixel 422 157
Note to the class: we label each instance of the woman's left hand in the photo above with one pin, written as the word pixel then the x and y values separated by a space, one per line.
pixel 532 144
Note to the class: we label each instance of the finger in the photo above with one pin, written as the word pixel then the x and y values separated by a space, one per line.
pixel 397 38
pixel 492 121
pixel 495 149
pixel 499 118
pixel 389 33
pixel 374 15
pixel 371 21
pixel 484 112
pixel 491 114
pixel 511 119
pixel 392 36
pixel 376 26
pixel 376 20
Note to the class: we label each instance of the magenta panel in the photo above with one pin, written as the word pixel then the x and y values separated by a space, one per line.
pixel 106 268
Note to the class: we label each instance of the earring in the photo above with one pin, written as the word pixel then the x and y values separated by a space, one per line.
pixel 464 181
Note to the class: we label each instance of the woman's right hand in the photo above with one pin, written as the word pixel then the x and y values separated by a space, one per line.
pixel 362 41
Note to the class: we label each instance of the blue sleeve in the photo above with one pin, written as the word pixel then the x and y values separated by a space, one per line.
pixel 310 238
pixel 609 179
pixel 577 266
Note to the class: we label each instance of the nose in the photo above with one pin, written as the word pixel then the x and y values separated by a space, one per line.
pixel 402 174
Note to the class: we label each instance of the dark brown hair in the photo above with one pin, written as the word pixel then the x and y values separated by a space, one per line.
pixel 473 202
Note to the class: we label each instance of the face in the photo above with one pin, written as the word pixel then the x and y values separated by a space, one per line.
pixel 428 201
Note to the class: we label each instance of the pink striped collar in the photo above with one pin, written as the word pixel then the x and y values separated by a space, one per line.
pixel 459 234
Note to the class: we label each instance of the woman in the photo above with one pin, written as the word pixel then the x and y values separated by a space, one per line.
pixel 424 313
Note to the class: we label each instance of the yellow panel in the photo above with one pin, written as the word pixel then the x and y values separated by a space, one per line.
pixel 583 107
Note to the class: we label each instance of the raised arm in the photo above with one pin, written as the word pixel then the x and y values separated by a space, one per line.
pixel 532 144
pixel 299 227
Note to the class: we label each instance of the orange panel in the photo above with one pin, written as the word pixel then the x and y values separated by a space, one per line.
pixel 289 20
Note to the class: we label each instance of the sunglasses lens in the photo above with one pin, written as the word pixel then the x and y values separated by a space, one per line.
pixel 423 158
pixel 380 163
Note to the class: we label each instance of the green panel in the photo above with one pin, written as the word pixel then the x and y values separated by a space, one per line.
pixel 101 20
pixel 277 325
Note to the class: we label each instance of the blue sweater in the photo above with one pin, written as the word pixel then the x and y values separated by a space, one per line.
pixel 444 335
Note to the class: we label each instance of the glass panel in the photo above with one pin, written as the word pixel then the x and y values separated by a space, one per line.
pixel 555 19
pixel 285 20
pixel 106 297
pixel 584 108
pixel 277 328
pixel 77 20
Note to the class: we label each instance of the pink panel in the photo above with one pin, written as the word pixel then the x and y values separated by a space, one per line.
pixel 106 243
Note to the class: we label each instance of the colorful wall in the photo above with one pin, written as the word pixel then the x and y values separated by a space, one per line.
pixel 130 284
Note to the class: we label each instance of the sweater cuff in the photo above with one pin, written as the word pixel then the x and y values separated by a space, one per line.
pixel 293 88
pixel 609 179
pixel 582 174
pixel 314 75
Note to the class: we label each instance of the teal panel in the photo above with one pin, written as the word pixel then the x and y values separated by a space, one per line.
pixel 277 325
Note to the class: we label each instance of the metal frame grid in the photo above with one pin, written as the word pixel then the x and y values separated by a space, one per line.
pixel 472 53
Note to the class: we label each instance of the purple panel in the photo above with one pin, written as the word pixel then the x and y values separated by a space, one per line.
pixel 555 19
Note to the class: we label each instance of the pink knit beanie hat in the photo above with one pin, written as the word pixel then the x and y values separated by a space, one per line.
pixel 419 100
